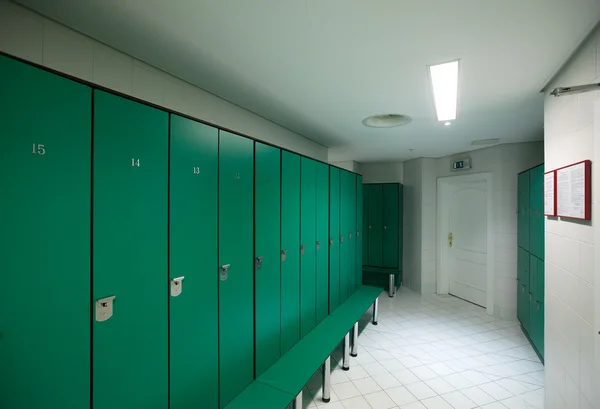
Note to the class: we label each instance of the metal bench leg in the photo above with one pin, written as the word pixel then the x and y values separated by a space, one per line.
pixel 346 363
pixel 354 352
pixel 327 380
pixel 391 287
pixel 375 311
pixel 298 401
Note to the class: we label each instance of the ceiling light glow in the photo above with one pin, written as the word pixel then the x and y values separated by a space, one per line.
pixel 444 81
pixel 447 123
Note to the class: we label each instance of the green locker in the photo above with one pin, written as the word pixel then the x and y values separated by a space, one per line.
pixel 130 246
pixel 365 224
pixel 536 215
pixel 45 151
pixel 194 330
pixel 390 223
pixel 290 250
pixel 308 246
pixel 534 328
pixel 344 230
pixel 523 287
pixel 400 226
pixel 376 226
pixel 539 307
pixel 523 210
pixel 267 297
pixel 236 278
pixel 322 241
pixel 359 231
pixel 334 238
pixel 352 233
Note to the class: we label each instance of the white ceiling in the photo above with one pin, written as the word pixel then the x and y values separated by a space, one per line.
pixel 319 67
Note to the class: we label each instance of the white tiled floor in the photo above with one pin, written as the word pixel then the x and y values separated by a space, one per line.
pixel 434 352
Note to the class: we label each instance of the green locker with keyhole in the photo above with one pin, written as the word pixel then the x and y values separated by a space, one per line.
pixel 345 242
pixel 322 229
pixel 308 240
pixel 194 314
pixel 536 214
pixel 353 284
pixel 290 250
pixel 130 271
pixel 267 297
pixel 236 265
pixel 359 232
pixel 45 159
pixel 334 238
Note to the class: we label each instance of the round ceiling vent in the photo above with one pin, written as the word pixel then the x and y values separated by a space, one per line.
pixel 387 120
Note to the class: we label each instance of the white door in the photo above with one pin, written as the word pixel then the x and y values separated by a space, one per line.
pixel 467 241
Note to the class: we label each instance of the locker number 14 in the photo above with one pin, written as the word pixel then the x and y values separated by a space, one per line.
pixel 135 162
pixel 38 149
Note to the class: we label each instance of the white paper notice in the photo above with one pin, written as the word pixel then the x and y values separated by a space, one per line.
pixel 549 194
pixel 571 191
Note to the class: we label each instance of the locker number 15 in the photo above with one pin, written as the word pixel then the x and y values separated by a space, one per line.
pixel 38 149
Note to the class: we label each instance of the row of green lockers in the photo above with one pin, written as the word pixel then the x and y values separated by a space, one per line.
pixel 107 197
pixel 530 255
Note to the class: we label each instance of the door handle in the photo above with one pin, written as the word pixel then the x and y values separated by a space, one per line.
pixel 537 305
pixel 259 260
pixel 450 238
pixel 224 272
pixel 104 308
pixel 176 286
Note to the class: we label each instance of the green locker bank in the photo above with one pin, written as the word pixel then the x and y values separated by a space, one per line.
pixel 530 255
pixel 167 262
pixel 382 241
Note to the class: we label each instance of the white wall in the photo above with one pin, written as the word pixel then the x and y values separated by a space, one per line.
pixel 348 165
pixel 386 172
pixel 412 231
pixel 572 134
pixel 34 38
pixel 504 162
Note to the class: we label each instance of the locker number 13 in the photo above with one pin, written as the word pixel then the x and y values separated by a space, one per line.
pixel 38 149
pixel 135 162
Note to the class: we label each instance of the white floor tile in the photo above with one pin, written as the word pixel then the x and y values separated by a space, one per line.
pixel 380 400
pixel 421 390
pixel 358 402
pixel 401 396
pixel 366 386
pixel 386 381
pixel 374 368
pixel 440 386
pixel 356 372
pixel 338 376
pixel 345 390
pixel 414 405
pixel 423 372
pixel 458 400
pixel 477 395
pixel 436 403
pixel 405 376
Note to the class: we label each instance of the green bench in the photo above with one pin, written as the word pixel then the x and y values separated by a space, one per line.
pixel 392 272
pixel 283 382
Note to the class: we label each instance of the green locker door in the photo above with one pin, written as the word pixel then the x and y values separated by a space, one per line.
pixel 359 230
pixel 344 230
pixel 536 221
pixel 334 238
pixel 401 226
pixel 523 212
pixel 45 145
pixel 322 241
pixel 533 283
pixel 365 224
pixel 130 253
pixel 375 226
pixel 236 266
pixel 523 287
pixel 290 250
pixel 308 244
pixel 390 216
pixel 539 343
pixel 194 311
pixel 267 297
pixel 352 234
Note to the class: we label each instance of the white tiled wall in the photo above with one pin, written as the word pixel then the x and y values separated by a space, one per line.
pixel 572 134
pixel 34 38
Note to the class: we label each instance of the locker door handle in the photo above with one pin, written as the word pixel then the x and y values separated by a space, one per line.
pixel 331 241
pixel 318 245
pixel 530 297
pixel 302 249
pixel 369 226
pixel 176 286
pixel 259 260
pixel 283 255
pixel 357 233
pixel 537 305
pixel 350 236
pixel 522 288
pixel 341 238
pixel 224 272
pixel 104 308
pixel 384 227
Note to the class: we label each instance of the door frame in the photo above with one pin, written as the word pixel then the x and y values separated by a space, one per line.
pixel 444 185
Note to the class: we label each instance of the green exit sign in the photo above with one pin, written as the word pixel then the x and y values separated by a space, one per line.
pixel 461 164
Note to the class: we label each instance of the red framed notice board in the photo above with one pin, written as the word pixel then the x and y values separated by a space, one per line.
pixel 550 193
pixel 574 191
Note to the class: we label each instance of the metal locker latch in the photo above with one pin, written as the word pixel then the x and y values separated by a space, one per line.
pixel 384 227
pixel 104 308
pixel 318 245
pixel 223 273
pixel 357 233
pixel 283 255
pixel 302 249
pixel 341 238
pixel 350 236
pixel 259 260
pixel 331 241
pixel 522 288
pixel 370 226
pixel 176 286
pixel 530 297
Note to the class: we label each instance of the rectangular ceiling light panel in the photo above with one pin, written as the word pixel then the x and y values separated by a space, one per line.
pixel 444 81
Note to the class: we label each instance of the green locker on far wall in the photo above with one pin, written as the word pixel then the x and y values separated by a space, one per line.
pixel 530 255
